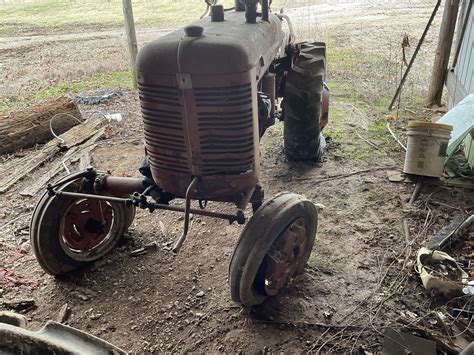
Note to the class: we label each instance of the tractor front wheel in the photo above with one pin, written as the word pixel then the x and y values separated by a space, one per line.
pixel 274 246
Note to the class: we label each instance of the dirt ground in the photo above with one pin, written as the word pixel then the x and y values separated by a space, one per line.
pixel 354 286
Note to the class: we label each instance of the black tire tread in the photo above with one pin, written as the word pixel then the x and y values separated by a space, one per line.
pixel 302 103
pixel 44 231
pixel 258 236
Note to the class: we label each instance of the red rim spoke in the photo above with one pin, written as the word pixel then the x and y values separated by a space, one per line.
pixel 86 224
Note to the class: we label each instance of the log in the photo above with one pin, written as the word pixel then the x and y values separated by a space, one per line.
pixel 16 169
pixel 28 127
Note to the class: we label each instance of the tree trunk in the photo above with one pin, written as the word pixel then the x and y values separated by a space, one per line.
pixel 25 128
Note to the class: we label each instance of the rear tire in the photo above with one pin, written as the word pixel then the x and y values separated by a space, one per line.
pixel 302 103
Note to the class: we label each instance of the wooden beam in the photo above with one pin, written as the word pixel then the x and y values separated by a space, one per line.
pixel 445 41
pixel 131 37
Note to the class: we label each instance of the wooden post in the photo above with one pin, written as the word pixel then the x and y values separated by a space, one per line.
pixel 132 38
pixel 445 41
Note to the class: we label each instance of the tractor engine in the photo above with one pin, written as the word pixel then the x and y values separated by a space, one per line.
pixel 206 93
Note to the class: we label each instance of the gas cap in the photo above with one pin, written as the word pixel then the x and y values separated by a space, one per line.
pixel 193 31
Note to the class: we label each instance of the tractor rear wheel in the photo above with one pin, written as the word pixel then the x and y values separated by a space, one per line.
pixel 302 103
pixel 68 232
pixel 274 245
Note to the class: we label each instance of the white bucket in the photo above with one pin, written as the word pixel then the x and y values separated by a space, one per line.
pixel 426 148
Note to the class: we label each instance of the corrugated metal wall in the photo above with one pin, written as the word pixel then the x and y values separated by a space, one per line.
pixel 464 69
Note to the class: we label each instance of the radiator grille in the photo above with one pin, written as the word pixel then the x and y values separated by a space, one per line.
pixel 163 126
pixel 225 120
pixel 225 129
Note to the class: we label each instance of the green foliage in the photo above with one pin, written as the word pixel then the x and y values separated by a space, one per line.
pixel 272 141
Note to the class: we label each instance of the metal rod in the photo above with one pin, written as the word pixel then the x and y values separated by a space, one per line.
pixel 265 10
pixel 417 190
pixel 229 217
pixel 290 25
pixel 92 197
pixel 183 236
pixel 412 60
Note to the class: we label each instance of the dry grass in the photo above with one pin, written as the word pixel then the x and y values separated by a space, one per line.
pixel 43 15
pixel 19 16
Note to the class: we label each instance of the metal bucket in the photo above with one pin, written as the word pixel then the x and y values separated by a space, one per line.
pixel 426 148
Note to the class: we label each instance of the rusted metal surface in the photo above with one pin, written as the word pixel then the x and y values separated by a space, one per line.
pixel 269 88
pixel 225 47
pixel 120 186
pixel 198 97
pixel 187 207
pixel 86 224
pixel 239 217
pixel 284 256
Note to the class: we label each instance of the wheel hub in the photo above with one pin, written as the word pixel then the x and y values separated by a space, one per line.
pixel 86 224
pixel 284 256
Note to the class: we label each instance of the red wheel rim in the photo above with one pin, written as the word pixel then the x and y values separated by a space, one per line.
pixel 86 224
pixel 284 256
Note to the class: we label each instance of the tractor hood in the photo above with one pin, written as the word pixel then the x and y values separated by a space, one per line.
pixel 230 46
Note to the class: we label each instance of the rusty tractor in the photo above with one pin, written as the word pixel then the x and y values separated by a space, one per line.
pixel 207 92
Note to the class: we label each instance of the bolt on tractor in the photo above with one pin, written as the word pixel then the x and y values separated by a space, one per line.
pixel 207 93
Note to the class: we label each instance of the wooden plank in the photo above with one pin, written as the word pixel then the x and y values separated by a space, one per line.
pixel 85 158
pixel 455 88
pixel 17 169
pixel 58 166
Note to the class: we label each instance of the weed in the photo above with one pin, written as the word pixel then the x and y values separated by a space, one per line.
pixel 271 142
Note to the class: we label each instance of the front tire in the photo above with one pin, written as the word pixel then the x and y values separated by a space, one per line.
pixel 274 246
